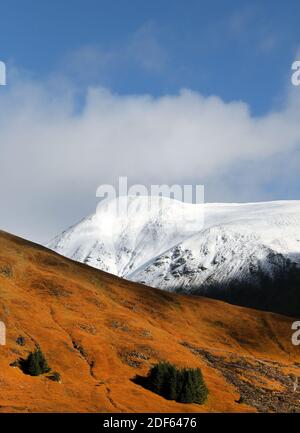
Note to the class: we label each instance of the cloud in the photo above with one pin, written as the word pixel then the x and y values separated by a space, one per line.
pixel 90 63
pixel 141 50
pixel 144 47
pixel 268 43
pixel 241 22
pixel 53 156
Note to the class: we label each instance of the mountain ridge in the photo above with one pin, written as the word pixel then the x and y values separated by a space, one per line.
pixel 196 248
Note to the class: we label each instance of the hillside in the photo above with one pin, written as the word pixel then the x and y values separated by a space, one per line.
pixel 100 331
pixel 247 254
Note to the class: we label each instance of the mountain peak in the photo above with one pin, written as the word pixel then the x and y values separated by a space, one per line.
pixel 193 248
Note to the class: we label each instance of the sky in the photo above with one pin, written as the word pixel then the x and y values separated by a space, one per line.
pixel 161 92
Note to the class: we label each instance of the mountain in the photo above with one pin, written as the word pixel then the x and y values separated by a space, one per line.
pixel 122 236
pixel 248 254
pixel 101 333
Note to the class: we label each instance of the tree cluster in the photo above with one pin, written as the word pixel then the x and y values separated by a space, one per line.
pixel 184 385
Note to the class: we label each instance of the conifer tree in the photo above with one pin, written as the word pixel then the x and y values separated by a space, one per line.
pixel 157 377
pixel 36 363
pixel 33 366
pixel 187 391
pixel 183 385
pixel 171 383
pixel 42 362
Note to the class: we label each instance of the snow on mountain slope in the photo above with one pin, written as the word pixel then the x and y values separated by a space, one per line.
pixel 238 242
pixel 123 235
pixel 239 248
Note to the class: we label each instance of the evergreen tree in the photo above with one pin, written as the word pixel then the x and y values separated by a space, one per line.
pixel 33 366
pixel 36 363
pixel 171 383
pixel 42 361
pixel 183 385
pixel 157 377
pixel 187 391
pixel 201 391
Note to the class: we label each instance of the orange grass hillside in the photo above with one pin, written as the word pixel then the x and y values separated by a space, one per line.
pixel 100 332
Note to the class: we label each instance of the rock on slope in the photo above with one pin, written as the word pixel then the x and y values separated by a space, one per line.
pixel 99 331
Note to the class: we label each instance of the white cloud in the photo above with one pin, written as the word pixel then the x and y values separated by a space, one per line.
pixel 53 156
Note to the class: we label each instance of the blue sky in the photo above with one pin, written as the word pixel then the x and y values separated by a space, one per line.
pixel 235 49
pixel 159 91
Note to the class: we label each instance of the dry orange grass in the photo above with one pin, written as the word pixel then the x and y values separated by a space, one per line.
pixel 99 331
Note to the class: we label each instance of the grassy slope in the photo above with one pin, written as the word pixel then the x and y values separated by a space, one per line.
pixel 99 331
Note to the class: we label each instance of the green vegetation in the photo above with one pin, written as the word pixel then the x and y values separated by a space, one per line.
pixel 36 363
pixel 183 385
pixel 21 340
pixel 55 376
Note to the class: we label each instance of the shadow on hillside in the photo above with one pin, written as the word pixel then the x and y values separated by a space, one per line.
pixel 278 293
pixel 141 381
pixel 22 363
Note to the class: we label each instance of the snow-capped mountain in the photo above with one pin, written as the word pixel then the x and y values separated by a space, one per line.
pixel 237 242
pixel 129 232
pixel 243 253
